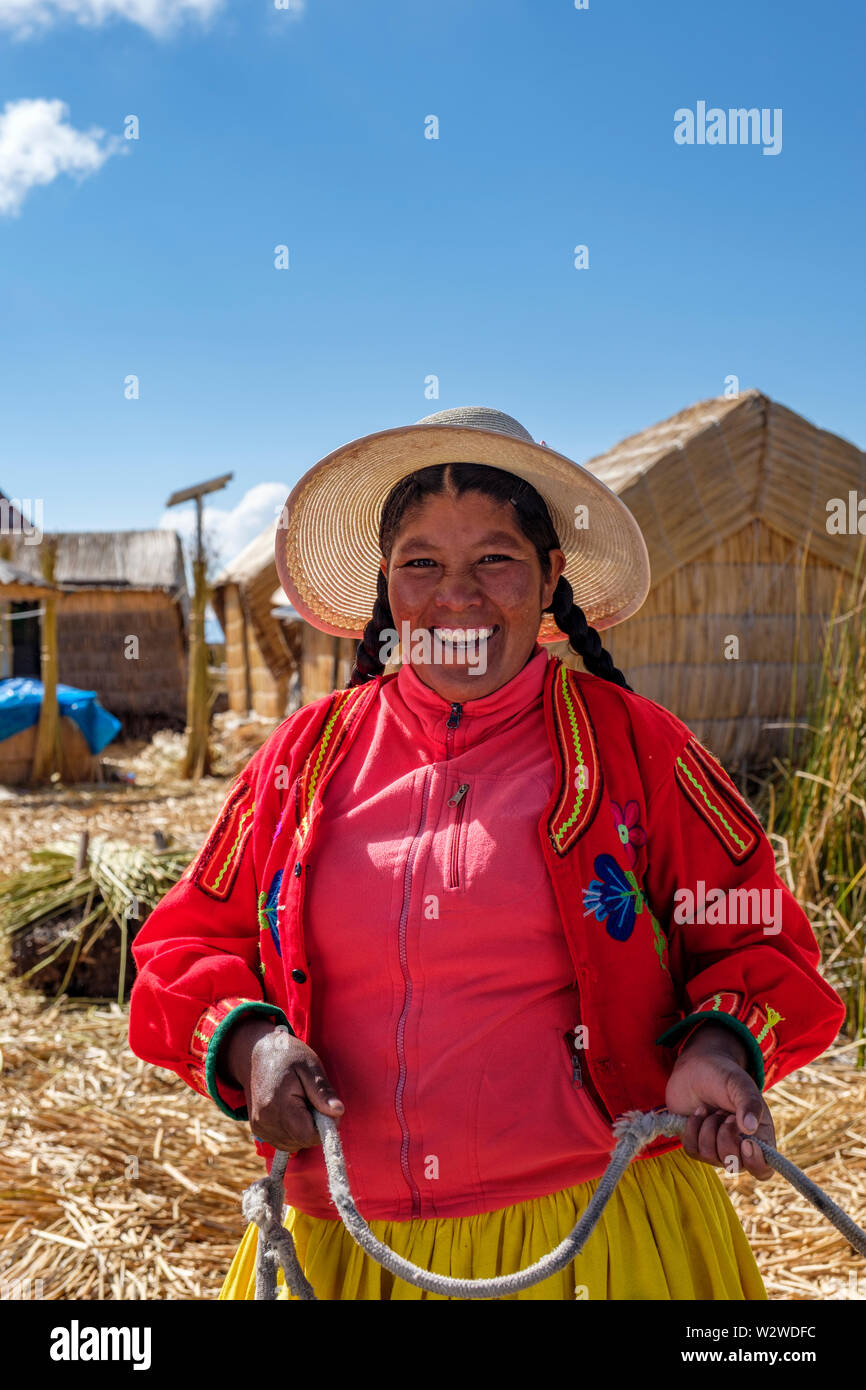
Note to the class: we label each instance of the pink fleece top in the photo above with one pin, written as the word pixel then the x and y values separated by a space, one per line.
pixel 444 1005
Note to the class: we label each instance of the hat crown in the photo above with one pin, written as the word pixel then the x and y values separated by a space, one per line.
pixel 479 417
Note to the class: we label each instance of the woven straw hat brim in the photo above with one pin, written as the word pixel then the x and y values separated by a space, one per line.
pixel 327 543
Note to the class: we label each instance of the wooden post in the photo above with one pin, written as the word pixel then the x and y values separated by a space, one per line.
pixel 47 756
pixel 197 761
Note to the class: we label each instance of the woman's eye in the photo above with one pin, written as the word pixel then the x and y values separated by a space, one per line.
pixel 494 558
pixel 421 561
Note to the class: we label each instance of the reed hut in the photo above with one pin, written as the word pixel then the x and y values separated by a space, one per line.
pixel 275 661
pixel 122 620
pixel 738 500
pixel 21 597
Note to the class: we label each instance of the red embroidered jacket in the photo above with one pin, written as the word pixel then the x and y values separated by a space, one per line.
pixel 666 885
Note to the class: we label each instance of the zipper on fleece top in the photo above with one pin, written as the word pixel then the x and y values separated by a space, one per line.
pixel 407 999
pixel 458 800
pixel 451 725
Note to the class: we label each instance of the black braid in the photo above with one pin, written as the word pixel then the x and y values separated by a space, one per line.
pixel 582 638
pixel 368 661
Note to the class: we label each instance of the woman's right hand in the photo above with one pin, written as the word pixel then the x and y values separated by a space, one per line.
pixel 281 1078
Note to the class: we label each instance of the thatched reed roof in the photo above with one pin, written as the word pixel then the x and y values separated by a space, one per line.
pixel 701 475
pixel 732 498
pixel 255 557
pixel 20 584
pixel 112 560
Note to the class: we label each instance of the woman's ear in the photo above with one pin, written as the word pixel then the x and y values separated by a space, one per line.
pixel 557 565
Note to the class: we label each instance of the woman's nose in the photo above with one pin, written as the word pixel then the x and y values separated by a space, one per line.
pixel 457 591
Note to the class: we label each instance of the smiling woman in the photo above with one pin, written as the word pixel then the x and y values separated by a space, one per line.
pixel 456 560
pixel 469 546
pixel 439 905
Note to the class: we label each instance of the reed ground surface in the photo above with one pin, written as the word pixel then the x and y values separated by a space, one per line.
pixel 118 1182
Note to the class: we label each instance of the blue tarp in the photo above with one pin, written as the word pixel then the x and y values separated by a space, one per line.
pixel 21 701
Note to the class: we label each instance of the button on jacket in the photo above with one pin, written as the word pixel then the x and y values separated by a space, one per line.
pixel 664 889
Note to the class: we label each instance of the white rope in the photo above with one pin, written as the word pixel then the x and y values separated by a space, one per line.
pixel 263 1204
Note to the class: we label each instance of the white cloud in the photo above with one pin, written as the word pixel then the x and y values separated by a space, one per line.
pixel 228 530
pixel 37 144
pixel 160 17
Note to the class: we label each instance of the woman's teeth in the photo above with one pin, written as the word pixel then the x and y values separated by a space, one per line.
pixel 463 636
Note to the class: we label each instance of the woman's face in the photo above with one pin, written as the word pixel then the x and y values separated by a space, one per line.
pixel 468 583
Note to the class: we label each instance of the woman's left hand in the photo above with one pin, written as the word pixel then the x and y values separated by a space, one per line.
pixel 710 1084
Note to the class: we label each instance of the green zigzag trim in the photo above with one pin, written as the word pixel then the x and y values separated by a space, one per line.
pixel 314 775
pixel 572 719
pixel 733 834
pixel 229 857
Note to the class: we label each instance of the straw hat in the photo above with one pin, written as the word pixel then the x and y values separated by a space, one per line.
pixel 327 547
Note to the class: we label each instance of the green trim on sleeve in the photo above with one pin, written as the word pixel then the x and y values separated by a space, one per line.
pixel 252 1006
pixel 753 1051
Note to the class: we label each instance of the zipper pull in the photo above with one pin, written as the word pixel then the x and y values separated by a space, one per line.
pixel 576 1074
pixel 458 796
pixel 454 716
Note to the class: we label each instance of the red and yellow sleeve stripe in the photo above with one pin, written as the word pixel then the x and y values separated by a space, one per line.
pixel 207 1038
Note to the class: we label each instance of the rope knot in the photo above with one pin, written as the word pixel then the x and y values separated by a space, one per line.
pixel 254 1202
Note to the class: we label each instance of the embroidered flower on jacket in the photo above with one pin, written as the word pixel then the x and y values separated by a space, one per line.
pixel 627 821
pixel 615 898
pixel 268 910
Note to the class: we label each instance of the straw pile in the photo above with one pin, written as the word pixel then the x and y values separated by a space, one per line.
pixel 69 923
pixel 820 1118
pixel 117 1181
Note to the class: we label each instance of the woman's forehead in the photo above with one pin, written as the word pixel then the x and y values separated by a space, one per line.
pixel 423 537
pixel 470 511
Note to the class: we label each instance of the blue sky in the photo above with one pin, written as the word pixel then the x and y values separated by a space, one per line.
pixel 408 256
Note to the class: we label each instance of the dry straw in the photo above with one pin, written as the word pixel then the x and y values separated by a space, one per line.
pixel 117 1181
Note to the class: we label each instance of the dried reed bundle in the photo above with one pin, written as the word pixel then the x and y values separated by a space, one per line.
pixel 118 883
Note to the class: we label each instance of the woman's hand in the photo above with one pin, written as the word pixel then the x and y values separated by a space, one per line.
pixel 710 1084
pixel 282 1078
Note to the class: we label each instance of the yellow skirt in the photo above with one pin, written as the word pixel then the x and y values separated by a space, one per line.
pixel 668 1232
